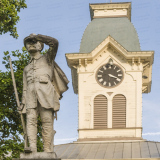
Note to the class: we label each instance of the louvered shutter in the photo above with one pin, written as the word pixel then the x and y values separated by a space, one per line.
pixel 119 111
pixel 100 111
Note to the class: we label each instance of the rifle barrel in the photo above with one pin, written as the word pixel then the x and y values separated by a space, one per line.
pixel 14 83
pixel 18 104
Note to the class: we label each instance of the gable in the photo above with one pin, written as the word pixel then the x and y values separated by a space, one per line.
pixel 103 58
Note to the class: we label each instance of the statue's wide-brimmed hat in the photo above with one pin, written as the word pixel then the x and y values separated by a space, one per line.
pixel 31 37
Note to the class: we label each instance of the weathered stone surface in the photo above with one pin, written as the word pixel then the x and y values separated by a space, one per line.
pixel 38 155
pixel 36 158
pixel 43 85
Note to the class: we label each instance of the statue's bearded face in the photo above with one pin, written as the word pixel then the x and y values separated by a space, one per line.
pixel 33 46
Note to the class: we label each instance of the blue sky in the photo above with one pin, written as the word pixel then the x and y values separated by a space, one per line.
pixel 66 21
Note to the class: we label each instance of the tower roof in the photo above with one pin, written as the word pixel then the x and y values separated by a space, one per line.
pixel 121 29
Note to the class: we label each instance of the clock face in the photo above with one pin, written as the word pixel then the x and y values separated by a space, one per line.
pixel 109 75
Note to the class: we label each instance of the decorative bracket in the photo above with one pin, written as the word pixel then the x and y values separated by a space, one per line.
pixel 146 65
pixel 139 62
pixel 144 89
pixel 85 63
pixel 133 63
pixel 79 64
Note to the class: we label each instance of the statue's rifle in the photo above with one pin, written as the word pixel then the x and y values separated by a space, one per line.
pixel 18 104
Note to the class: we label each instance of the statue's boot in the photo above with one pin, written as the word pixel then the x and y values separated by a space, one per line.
pixel 47 135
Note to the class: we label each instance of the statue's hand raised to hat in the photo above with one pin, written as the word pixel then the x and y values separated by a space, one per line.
pixel 36 37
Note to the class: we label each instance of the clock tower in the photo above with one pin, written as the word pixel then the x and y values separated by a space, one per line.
pixel 109 74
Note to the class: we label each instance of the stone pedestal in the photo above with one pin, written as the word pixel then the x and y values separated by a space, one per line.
pixel 37 156
pixel 36 159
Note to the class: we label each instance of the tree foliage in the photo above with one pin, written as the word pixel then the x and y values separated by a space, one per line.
pixel 11 131
pixel 9 15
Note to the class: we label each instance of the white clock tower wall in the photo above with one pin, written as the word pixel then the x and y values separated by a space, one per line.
pixel 131 88
pixel 110 103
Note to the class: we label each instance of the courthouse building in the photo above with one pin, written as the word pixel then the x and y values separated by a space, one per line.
pixel 110 73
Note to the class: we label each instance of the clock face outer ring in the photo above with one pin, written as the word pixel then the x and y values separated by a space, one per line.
pixel 108 86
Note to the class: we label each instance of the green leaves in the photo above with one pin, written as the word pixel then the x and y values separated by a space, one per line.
pixel 10 124
pixel 11 132
pixel 9 16
pixel 11 147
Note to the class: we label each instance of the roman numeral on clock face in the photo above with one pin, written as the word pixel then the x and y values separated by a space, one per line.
pixel 100 71
pixel 104 83
pixel 118 79
pixel 100 80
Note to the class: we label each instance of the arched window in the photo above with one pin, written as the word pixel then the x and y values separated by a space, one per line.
pixel 100 111
pixel 119 111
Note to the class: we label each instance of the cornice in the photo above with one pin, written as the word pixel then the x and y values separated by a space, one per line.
pixel 110 6
pixel 109 42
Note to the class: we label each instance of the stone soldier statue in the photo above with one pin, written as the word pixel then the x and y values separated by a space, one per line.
pixel 43 85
